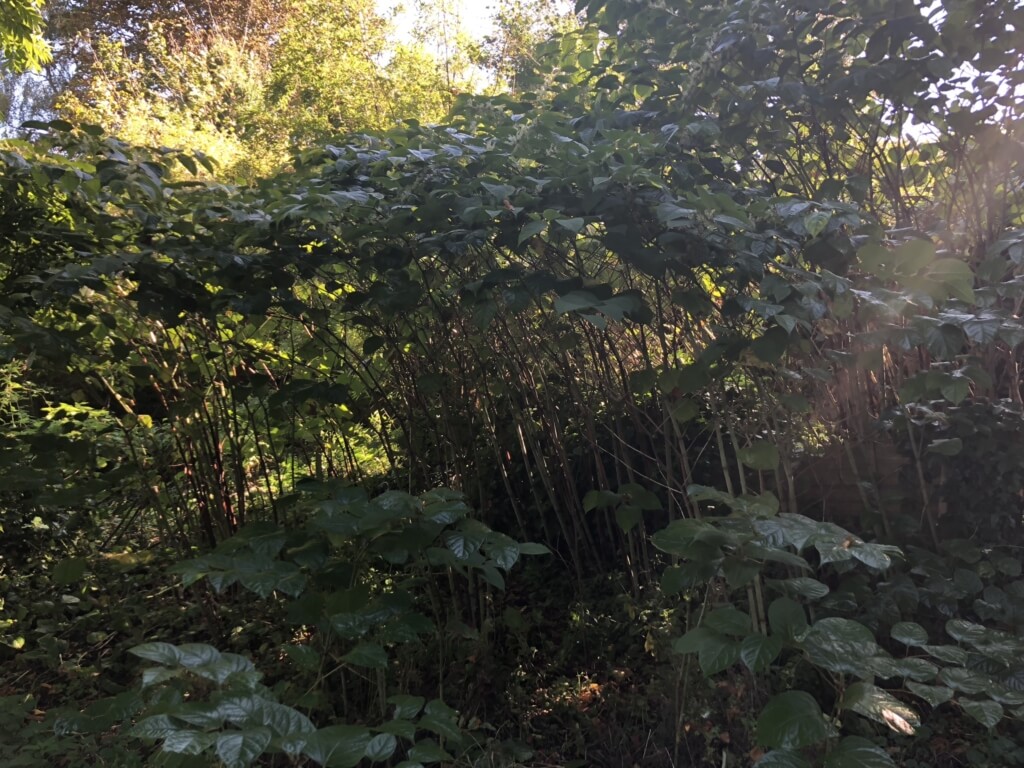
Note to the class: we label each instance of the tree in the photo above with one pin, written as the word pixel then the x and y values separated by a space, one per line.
pixel 21 35
pixel 512 52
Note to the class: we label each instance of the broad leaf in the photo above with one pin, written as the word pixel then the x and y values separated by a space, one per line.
pixel 728 621
pixel 839 645
pixel 909 633
pixel 758 651
pixel 782 758
pixel 240 749
pixel 858 752
pixel 933 694
pixel 791 720
pixel 988 713
pixel 337 746
pixel 381 747
pixel 881 706
pixel 367 655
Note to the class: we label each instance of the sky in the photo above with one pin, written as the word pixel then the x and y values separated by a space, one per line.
pixel 476 15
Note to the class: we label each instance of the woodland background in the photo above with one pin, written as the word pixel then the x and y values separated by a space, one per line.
pixel 637 386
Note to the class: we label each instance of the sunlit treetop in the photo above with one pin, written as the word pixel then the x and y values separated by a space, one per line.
pixel 21 38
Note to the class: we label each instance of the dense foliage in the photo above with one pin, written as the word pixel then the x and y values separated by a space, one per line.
pixel 715 311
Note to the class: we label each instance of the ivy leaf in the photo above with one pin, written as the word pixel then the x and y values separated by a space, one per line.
pixel 858 752
pixel 791 720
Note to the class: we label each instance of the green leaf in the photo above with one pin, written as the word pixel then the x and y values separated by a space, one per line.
pixel 787 618
pixel 70 570
pixel 531 229
pixel 782 758
pixel 933 694
pixel 909 633
pixel 728 621
pixel 696 639
pixel 718 658
pixel 463 544
pixel 760 455
pixel 337 746
pixel 638 496
pixel 492 576
pixel 628 517
pixel 791 720
pixel 239 749
pixel 428 751
pixel 882 707
pixel 949 654
pixel 965 681
pixel 599 500
pixel 839 645
pixel 988 713
pixel 404 728
pixel 875 556
pixel 161 653
pixel 195 655
pixel 155 727
pixel 367 655
pixel 946 446
pixel 530 548
pixel 503 550
pixel 406 707
pixel 381 747
pixel 446 727
pixel 816 222
pixel 188 742
pixel 574 225
pixel 806 587
pixel 303 656
pixel 858 752
pixel 757 652
pixel 771 346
